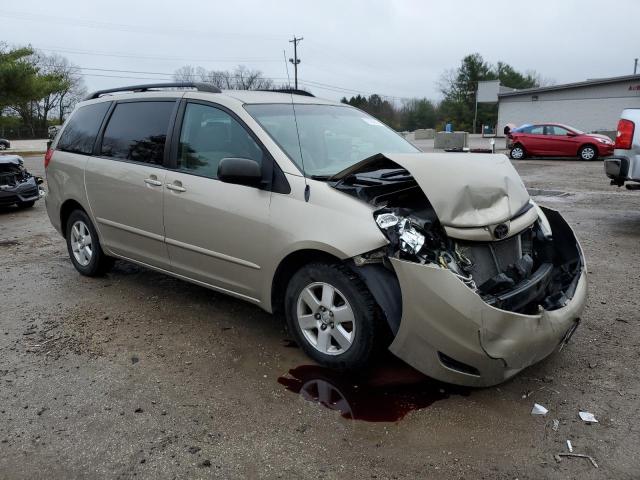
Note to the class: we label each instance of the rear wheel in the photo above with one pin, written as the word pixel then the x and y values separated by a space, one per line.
pixel 84 247
pixel 333 316
pixel 588 152
pixel 517 152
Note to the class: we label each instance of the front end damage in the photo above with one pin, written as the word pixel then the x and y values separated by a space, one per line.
pixel 17 185
pixel 477 282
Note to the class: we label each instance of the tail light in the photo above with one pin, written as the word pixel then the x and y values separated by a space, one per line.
pixel 624 137
pixel 47 157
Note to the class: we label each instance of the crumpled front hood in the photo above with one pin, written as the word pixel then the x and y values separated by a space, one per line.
pixel 467 189
pixel 11 160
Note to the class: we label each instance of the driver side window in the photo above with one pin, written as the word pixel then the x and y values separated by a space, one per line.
pixel 210 134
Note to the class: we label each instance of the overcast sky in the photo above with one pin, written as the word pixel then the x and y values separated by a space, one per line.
pixel 396 48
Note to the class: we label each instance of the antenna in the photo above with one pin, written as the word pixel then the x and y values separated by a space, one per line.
pixel 307 189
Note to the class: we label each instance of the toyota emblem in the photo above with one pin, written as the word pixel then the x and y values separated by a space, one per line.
pixel 501 231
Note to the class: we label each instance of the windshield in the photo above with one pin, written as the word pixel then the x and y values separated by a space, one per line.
pixel 332 137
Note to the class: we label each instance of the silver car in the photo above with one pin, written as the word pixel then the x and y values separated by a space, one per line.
pixel 317 210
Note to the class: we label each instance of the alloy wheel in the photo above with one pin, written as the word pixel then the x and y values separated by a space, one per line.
pixel 325 318
pixel 81 243
pixel 517 152
pixel 588 153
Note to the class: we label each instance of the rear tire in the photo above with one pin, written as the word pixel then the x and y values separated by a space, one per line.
pixel 333 316
pixel 84 247
pixel 517 152
pixel 588 153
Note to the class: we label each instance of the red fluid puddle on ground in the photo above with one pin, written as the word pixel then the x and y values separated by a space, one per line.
pixel 385 393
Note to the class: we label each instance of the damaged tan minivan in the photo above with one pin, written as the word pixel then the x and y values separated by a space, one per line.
pixel 319 211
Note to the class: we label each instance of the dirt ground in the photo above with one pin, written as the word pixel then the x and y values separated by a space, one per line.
pixel 139 375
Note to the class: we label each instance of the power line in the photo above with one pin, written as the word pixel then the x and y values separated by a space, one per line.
pixel 153 57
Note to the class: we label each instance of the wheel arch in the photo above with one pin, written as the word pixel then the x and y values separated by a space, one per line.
pixel 291 264
pixel 66 209
pixel 588 144
pixel 381 282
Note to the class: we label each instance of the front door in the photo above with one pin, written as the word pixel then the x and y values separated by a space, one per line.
pixel 125 183
pixel 216 232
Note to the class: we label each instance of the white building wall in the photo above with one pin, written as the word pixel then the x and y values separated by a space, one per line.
pixel 597 107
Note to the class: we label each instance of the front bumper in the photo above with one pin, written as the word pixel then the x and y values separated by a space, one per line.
pixel 447 331
pixel 604 150
pixel 24 192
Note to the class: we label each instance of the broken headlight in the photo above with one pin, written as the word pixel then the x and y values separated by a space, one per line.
pixel 410 240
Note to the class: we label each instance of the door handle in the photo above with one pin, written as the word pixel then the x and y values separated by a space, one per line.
pixel 153 181
pixel 176 187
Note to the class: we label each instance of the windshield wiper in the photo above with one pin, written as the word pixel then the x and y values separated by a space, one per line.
pixel 320 177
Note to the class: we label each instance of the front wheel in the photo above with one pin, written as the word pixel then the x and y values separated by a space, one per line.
pixel 84 247
pixel 517 152
pixel 588 152
pixel 26 204
pixel 333 316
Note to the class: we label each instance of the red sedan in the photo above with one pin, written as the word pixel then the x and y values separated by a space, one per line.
pixel 556 140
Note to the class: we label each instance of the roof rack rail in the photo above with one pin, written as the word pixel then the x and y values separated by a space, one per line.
pixel 201 87
pixel 293 91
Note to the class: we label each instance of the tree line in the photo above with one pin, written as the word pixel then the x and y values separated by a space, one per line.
pixel 36 90
pixel 458 88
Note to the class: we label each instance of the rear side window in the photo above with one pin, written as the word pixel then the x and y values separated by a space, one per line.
pixel 80 133
pixel 137 131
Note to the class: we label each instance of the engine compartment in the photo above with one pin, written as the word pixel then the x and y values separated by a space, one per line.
pixel 536 267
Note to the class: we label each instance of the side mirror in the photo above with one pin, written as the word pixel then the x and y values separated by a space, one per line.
pixel 39 180
pixel 571 134
pixel 242 171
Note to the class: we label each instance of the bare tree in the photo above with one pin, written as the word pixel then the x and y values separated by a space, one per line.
pixel 186 73
pixel 73 90
pixel 242 78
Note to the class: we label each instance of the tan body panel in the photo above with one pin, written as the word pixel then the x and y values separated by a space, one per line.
pixel 330 221
pixel 217 232
pixel 65 182
pixel 126 210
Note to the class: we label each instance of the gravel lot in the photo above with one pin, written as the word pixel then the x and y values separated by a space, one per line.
pixel 141 375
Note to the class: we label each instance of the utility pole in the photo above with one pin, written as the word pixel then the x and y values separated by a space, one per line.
pixel 295 60
pixel 635 66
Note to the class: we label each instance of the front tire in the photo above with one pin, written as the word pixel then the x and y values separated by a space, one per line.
pixel 84 247
pixel 588 153
pixel 26 204
pixel 333 316
pixel 517 152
